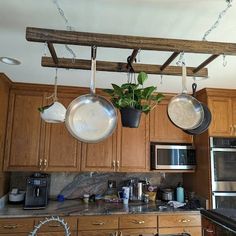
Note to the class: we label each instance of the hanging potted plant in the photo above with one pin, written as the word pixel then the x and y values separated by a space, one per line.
pixel 132 99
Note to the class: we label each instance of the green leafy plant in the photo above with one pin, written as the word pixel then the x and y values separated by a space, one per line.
pixel 135 95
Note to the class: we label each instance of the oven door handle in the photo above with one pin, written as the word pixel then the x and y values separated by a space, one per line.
pixel 224 194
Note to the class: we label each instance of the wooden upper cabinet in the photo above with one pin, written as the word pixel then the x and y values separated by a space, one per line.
pixel 161 128
pixel 24 131
pixel 100 156
pixel 222 116
pixel 133 147
pixel 62 150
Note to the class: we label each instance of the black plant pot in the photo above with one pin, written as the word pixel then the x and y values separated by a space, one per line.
pixel 130 117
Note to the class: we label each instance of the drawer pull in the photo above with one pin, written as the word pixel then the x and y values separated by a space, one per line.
pixel 184 221
pixel 10 226
pixel 98 223
pixel 56 225
pixel 139 222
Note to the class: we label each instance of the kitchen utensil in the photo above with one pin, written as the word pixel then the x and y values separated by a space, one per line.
pixel 206 120
pixel 185 111
pixel 91 118
pixel 167 194
pixel 55 112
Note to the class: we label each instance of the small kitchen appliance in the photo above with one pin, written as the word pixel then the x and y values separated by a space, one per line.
pixel 172 157
pixel 37 191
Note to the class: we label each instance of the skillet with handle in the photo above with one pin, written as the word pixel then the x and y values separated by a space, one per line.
pixel 206 120
pixel 185 111
pixel 91 118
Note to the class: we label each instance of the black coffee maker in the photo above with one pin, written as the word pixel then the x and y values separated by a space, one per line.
pixel 37 191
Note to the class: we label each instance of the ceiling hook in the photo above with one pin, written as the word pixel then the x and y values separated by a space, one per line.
pixel 224 60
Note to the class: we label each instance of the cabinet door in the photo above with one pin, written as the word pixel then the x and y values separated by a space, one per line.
pixel 161 128
pixel 234 115
pixel 55 234
pixel 62 150
pixel 139 232
pixel 208 227
pixel 25 130
pixel 193 231
pixel 221 110
pixel 98 233
pixel 100 156
pixel 133 147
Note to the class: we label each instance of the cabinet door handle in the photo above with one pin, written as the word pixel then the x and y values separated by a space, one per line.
pixel 234 130
pixel 98 223
pixel 231 128
pixel 184 221
pixel 118 164
pixel 40 163
pixel 139 222
pixel 45 163
pixel 206 232
pixel 114 164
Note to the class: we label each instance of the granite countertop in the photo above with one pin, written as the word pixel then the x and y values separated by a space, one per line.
pixel 222 216
pixel 76 208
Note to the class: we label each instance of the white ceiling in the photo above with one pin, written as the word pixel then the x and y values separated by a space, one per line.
pixel 183 19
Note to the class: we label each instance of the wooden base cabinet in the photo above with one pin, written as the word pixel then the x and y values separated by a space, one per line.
pixel 179 223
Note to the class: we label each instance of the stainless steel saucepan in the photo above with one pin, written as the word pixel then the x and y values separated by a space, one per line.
pixel 185 111
pixel 91 118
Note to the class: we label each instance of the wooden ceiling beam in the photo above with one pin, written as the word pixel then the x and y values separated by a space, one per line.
pixel 52 52
pixel 128 42
pixel 120 67
pixel 205 63
pixel 169 60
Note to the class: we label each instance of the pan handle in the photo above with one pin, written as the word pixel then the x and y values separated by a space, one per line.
pixel 93 69
pixel 194 88
pixel 184 74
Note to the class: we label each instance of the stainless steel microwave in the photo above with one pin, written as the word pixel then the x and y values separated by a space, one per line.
pixel 172 157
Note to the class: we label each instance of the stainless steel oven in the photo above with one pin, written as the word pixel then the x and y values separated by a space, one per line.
pixel 223 171
pixel 224 200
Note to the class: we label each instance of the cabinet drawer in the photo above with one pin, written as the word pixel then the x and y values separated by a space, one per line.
pixel 138 232
pixel 193 231
pixel 97 222
pixel 179 220
pixel 54 234
pixel 16 225
pixel 137 221
pixel 56 226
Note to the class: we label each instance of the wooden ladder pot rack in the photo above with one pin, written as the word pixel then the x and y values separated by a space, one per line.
pixel 176 46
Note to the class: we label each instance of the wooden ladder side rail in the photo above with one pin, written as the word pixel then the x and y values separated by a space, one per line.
pixel 169 60
pixel 128 42
pixel 52 52
pixel 68 63
pixel 206 62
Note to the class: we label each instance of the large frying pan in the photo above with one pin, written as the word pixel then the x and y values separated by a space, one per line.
pixel 91 118
pixel 206 121
pixel 185 111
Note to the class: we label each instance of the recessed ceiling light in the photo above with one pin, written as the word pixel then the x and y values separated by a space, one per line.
pixel 9 61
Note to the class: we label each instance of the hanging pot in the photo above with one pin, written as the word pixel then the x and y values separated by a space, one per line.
pixel 55 112
pixel 130 117
pixel 185 111
pixel 206 121
pixel 91 118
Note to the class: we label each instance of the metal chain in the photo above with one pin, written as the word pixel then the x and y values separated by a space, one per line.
pixel 181 60
pixel 47 220
pixel 220 16
pixel 68 27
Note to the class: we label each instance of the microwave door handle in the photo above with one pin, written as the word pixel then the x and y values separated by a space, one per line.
pixel 224 194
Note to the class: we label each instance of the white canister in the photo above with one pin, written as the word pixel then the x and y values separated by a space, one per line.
pixel 125 191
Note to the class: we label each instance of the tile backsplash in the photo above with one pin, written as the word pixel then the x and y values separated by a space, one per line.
pixel 75 185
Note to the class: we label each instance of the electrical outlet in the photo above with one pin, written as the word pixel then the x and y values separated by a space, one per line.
pixel 111 184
